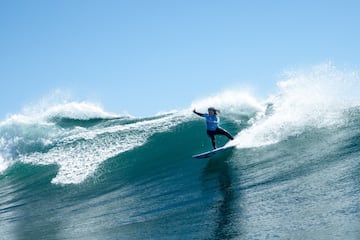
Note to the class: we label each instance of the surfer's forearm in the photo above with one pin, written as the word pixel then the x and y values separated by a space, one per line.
pixel 197 113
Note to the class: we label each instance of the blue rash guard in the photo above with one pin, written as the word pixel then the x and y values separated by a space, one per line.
pixel 212 125
pixel 212 122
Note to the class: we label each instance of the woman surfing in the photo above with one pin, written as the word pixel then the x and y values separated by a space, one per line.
pixel 212 125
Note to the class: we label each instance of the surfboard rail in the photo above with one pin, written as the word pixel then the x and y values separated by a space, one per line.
pixel 212 152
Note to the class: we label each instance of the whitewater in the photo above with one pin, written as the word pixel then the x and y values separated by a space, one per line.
pixel 72 170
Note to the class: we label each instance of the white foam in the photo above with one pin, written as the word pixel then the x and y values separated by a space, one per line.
pixel 34 128
pixel 78 110
pixel 79 159
pixel 310 98
pixel 33 136
pixel 3 164
pixel 231 101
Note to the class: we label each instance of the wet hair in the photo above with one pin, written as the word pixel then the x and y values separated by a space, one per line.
pixel 216 111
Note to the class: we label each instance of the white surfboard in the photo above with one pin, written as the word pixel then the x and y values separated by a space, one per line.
pixel 213 152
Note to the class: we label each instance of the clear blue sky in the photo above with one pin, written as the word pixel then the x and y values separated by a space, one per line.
pixel 146 56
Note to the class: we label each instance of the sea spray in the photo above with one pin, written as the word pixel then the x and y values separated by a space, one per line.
pixel 312 98
pixel 231 101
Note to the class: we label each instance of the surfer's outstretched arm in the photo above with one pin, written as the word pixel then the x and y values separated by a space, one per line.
pixel 197 113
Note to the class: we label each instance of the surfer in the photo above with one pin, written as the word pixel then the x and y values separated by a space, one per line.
pixel 212 125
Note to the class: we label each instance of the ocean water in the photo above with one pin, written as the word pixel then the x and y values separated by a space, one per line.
pixel 74 171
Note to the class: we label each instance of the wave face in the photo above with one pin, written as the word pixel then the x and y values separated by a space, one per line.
pixel 74 171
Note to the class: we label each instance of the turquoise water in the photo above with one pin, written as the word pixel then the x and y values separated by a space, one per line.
pixel 74 171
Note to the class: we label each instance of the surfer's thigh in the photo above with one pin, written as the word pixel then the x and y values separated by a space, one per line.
pixel 211 134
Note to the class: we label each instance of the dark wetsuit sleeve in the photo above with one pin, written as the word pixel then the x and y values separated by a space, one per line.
pixel 200 114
